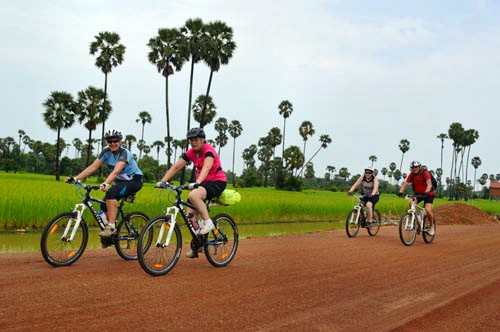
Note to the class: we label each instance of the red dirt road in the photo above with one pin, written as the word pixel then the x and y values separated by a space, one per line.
pixel 313 282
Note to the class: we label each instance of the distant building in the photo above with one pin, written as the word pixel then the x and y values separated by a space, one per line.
pixel 495 190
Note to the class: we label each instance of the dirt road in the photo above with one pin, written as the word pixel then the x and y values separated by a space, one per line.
pixel 313 282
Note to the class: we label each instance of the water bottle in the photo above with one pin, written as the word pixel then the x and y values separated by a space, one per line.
pixel 104 219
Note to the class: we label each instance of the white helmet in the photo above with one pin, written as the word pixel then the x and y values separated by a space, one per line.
pixel 113 133
pixel 369 169
pixel 415 163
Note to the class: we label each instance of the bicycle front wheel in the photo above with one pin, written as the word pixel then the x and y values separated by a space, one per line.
pixel 128 231
pixel 222 242
pixel 407 229
pixel 58 249
pixel 427 237
pixel 375 225
pixel 352 223
pixel 157 254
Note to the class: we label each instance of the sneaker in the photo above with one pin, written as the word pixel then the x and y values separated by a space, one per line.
pixel 207 227
pixel 430 231
pixel 193 254
pixel 108 231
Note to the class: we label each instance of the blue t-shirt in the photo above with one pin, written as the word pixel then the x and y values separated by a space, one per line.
pixel 111 159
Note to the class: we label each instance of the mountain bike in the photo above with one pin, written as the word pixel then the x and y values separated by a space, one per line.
pixel 65 237
pixel 357 218
pixel 159 255
pixel 414 222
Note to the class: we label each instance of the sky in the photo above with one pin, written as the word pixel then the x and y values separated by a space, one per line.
pixel 367 73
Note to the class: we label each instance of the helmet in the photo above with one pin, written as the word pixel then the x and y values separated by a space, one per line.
pixel 369 169
pixel 113 132
pixel 415 163
pixel 195 132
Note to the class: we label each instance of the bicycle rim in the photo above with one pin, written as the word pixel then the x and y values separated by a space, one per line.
pixel 128 235
pixel 222 241
pixel 407 232
pixel 58 250
pixel 351 226
pixel 376 222
pixel 427 237
pixel 155 257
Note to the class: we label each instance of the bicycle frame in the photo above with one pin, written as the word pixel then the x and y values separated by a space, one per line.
pixel 359 207
pixel 415 215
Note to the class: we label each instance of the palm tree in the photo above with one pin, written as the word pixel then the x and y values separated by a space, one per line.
pixel 344 173
pixel 234 130
pixel 144 117
pixel 92 104
pixel 78 144
pixel 166 54
pixel 191 47
pixel 372 158
pixel 111 54
pixel 331 170
pixel 204 110
pixel 294 159
pixel 285 110
pixel 476 162
pixel 306 129
pixel 384 171
pixel 471 136
pixel 158 145
pixel 59 113
pixel 141 145
pixel 21 134
pixel 221 127
pixel 129 140
pixel 404 146
pixel 275 138
pixel 442 137
pixel 218 48
pixel 324 140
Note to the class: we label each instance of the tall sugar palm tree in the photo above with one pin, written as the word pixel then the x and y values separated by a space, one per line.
pixel 59 113
pixel 404 146
pixel 204 110
pixel 218 48
pixel 110 53
pixel 91 105
pixel 221 127
pixel 476 162
pixel 324 140
pixel 77 144
pixel 144 117
pixel 191 47
pixel 234 130
pixel 372 158
pixel 285 110
pixel 306 130
pixel 158 145
pixel 166 54
pixel 129 140
pixel 442 137
pixel 21 133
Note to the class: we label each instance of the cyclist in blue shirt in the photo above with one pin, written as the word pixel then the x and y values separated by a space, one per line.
pixel 125 178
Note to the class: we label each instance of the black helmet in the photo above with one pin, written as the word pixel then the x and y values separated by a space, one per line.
pixel 112 133
pixel 195 132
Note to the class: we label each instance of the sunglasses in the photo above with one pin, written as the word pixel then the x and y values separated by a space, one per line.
pixel 415 167
pixel 368 173
pixel 113 141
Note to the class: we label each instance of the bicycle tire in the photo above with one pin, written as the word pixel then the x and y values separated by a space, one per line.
pixel 55 250
pixel 351 227
pixel 128 231
pixel 376 222
pixel 407 235
pixel 427 237
pixel 222 242
pixel 154 257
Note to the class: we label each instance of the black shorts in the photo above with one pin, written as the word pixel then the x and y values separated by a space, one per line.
pixel 123 188
pixel 426 199
pixel 374 199
pixel 213 188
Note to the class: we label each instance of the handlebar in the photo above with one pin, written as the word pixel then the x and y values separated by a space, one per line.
pixel 84 186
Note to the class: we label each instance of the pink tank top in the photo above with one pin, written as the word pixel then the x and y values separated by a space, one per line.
pixel 216 173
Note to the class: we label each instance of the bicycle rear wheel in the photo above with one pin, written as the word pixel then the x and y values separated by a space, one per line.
pixel 352 223
pixel 376 222
pixel 407 229
pixel 427 237
pixel 222 242
pixel 57 249
pixel 128 231
pixel 155 255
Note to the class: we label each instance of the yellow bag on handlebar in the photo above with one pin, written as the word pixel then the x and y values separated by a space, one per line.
pixel 229 197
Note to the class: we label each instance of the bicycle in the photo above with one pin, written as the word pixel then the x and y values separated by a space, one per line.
pixel 408 228
pixel 65 237
pixel 357 219
pixel 159 255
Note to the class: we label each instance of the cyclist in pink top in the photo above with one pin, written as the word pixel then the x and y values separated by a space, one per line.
pixel 210 178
